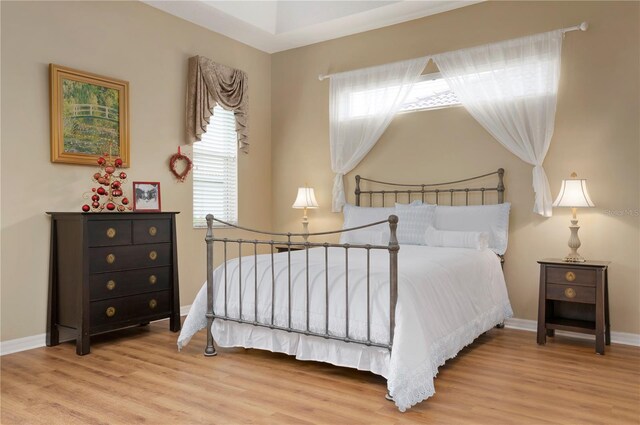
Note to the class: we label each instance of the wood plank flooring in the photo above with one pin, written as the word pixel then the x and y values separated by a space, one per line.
pixel 138 376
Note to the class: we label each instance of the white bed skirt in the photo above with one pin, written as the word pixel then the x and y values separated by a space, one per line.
pixel 447 298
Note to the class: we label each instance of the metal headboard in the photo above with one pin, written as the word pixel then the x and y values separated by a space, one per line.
pixel 433 193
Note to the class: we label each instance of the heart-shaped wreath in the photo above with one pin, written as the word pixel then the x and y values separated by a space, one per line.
pixel 175 160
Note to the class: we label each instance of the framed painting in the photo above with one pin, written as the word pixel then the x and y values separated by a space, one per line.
pixel 146 196
pixel 89 117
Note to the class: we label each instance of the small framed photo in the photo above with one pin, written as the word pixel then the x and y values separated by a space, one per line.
pixel 146 196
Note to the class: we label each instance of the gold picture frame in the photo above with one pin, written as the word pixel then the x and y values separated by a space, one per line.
pixel 89 117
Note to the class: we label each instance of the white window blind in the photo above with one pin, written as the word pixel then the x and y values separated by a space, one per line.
pixel 215 170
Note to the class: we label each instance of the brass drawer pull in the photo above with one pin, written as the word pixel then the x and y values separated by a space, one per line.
pixel 111 284
pixel 111 311
pixel 153 304
pixel 153 230
pixel 153 255
pixel 570 276
pixel 153 279
pixel 111 258
pixel 111 233
pixel 570 293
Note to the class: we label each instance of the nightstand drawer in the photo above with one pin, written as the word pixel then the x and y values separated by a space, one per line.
pixel 571 293
pixel 109 232
pixel 119 284
pixel 571 276
pixel 151 231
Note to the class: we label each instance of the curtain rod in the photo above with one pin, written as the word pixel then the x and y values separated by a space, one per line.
pixel 581 27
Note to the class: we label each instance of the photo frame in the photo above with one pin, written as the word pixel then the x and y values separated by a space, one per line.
pixel 89 116
pixel 146 197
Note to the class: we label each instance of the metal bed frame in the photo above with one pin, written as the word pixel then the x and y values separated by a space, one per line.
pixel 410 190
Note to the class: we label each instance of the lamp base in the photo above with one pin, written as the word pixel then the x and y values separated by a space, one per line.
pixel 574 244
pixel 574 258
pixel 305 228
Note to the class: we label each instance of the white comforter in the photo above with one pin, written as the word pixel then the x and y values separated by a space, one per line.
pixel 446 298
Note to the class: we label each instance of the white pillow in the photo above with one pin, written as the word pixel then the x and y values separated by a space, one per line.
pixel 413 221
pixel 359 216
pixel 493 219
pixel 456 239
pixel 365 236
pixel 414 203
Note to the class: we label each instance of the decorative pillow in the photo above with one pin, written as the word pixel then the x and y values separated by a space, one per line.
pixel 493 219
pixel 456 239
pixel 359 216
pixel 413 221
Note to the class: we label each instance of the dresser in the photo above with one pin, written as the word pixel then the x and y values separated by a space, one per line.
pixel 109 271
pixel 574 297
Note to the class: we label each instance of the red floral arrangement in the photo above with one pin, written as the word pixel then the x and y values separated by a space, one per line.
pixel 109 194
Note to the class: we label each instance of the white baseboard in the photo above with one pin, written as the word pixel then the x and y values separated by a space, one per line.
pixel 532 326
pixel 22 344
pixel 37 341
pixel 40 340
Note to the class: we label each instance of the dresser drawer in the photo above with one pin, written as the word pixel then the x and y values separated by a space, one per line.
pixel 109 232
pixel 151 231
pixel 129 308
pixel 119 284
pixel 571 293
pixel 571 276
pixel 116 258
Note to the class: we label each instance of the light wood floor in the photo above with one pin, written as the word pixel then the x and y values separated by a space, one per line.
pixel 138 376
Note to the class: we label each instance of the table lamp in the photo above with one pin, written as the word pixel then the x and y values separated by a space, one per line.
pixel 573 194
pixel 306 199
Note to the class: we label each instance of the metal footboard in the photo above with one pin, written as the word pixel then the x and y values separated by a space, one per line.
pixel 392 248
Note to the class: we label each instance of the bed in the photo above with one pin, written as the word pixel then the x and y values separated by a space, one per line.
pixel 374 301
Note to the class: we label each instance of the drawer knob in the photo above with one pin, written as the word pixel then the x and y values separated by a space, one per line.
pixel 111 233
pixel 153 230
pixel 111 258
pixel 570 276
pixel 153 255
pixel 570 293
pixel 111 284
pixel 153 279
pixel 111 311
pixel 153 303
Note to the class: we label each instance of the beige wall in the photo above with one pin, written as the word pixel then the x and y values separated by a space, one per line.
pixel 596 135
pixel 148 48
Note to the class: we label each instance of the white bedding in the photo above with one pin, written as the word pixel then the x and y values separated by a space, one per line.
pixel 446 298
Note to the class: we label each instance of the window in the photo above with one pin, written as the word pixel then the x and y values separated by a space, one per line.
pixel 215 170
pixel 430 92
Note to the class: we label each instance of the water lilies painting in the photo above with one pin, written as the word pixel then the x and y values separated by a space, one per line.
pixel 89 115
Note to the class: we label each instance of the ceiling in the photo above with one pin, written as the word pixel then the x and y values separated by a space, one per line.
pixel 274 26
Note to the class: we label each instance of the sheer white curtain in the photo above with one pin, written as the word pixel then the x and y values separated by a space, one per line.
pixel 510 88
pixel 362 103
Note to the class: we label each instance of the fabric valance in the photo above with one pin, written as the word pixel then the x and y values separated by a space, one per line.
pixel 210 83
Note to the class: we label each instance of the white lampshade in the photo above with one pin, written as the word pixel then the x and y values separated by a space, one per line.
pixel 306 198
pixel 573 193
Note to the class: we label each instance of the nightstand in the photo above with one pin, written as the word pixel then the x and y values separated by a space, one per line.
pixel 574 297
pixel 285 248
